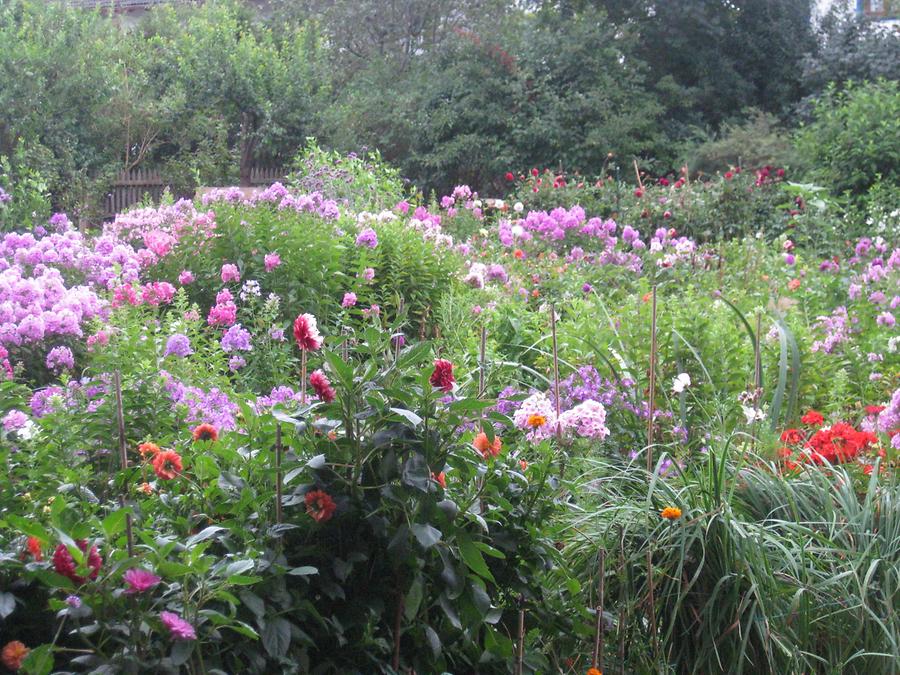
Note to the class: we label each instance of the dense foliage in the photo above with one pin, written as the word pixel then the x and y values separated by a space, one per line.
pixel 450 92
pixel 303 431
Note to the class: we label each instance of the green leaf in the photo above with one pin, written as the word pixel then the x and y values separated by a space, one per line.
pixel 472 557
pixel 415 472
pixel 29 527
pixel 434 642
pixel 305 571
pixel 413 599
pixel 408 415
pixel 276 637
pixel 7 604
pixel 39 661
pixel 489 550
pixel 181 652
pixel 115 522
pixel 243 580
pixel 426 534
pixel 203 535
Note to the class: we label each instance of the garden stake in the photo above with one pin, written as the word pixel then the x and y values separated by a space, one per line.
pixel 757 379
pixel 562 464
pixel 520 653
pixel 123 456
pixel 637 172
pixel 398 616
pixel 621 573
pixel 652 393
pixel 652 603
pixel 598 629
pixel 302 377
pixel 279 515
pixel 481 361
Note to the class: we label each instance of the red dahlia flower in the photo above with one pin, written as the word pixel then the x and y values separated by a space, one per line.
pixel 167 464
pixel 34 548
pixel 510 177
pixel 64 563
pixel 322 386
pixel 442 377
pixel 320 506
pixel 205 432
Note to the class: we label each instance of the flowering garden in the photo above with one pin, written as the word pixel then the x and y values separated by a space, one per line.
pixel 588 427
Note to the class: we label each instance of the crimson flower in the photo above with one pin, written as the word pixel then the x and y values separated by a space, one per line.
pixel 320 506
pixel 509 176
pixel 322 386
pixel 306 333
pixel 65 564
pixel 442 377
pixel 792 436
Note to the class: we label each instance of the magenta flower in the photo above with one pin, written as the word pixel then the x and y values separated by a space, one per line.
pixel 185 277
pixel 368 237
pixel 271 260
pixel 140 580
pixel 179 629
pixel 230 273
pixel 349 300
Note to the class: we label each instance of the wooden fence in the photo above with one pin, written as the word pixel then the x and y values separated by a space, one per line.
pixel 131 187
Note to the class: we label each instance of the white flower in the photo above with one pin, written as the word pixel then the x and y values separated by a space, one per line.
pixel 753 414
pixel 499 203
pixel 477 203
pixel 518 207
pixel 517 231
pixel 681 382
pixel 28 431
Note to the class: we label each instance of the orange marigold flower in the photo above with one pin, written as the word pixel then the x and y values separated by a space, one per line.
pixel 646 297
pixel 205 432
pixel 793 284
pixel 34 548
pixel 146 488
pixel 13 654
pixel 486 447
pixel 671 513
pixel 519 254
pixel 440 479
pixel 523 464
pixel 167 464
pixel 536 421
pixel 320 506
pixel 148 450
pixel 594 671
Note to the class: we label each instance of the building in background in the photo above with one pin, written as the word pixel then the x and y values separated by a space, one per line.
pixel 885 12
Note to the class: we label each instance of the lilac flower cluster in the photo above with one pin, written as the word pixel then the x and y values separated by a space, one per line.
pixel 889 419
pixel 236 338
pixel 280 196
pixel 836 328
pixel 211 407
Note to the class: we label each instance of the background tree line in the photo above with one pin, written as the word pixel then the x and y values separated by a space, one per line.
pixel 451 91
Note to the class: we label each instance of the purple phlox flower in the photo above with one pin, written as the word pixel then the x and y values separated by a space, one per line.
pixel 236 338
pixel 178 345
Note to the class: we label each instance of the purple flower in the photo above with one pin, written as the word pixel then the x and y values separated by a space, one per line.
pixel 5 197
pixel 186 277
pixel 277 334
pixel 236 339
pixel 886 319
pixel 236 362
pixel 789 259
pixel 140 580
pixel 349 300
pixel 368 237
pixel 369 274
pixel 271 260
pixel 73 601
pixel 587 288
pixel 178 345
pixel 60 358
pixel 230 273
pixel 179 629
pixel 14 419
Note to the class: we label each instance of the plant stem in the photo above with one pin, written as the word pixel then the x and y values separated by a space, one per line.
pixel 652 392
pixel 123 456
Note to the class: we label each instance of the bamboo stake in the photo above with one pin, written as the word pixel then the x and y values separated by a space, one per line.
pixel 562 463
pixel 302 377
pixel 598 628
pixel 652 603
pixel 482 364
pixel 520 653
pixel 637 172
pixel 652 393
pixel 621 626
pixel 123 456
pixel 279 514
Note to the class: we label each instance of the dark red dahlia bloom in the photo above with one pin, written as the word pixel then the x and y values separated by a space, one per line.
pixel 442 377
pixel 205 432
pixel 65 564
pixel 322 386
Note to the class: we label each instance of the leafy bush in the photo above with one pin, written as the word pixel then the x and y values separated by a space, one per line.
pixel 853 141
